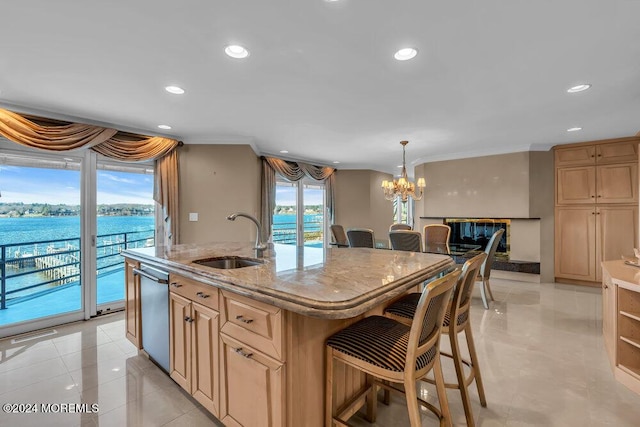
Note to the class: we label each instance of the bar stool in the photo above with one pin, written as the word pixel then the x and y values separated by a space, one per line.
pixel 391 352
pixel 404 309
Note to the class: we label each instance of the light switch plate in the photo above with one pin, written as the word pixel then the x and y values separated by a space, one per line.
pixel 193 216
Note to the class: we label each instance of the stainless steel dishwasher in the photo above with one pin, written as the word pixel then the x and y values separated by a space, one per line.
pixel 154 295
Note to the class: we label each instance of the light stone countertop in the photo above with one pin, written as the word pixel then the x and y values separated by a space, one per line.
pixel 331 283
pixel 622 274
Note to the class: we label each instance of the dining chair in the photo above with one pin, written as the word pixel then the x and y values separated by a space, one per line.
pixel 399 226
pixel 339 237
pixel 405 240
pixel 389 352
pixel 361 238
pixel 457 319
pixel 485 269
pixel 436 238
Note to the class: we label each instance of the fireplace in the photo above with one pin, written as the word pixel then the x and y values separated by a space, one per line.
pixel 478 231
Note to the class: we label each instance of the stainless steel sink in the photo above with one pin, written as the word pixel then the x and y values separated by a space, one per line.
pixel 228 262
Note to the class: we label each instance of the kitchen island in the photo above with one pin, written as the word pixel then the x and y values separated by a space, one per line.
pixel 248 343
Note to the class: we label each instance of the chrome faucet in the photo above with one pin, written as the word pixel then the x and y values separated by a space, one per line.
pixel 259 245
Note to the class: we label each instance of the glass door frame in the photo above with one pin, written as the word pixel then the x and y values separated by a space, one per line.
pixel 84 312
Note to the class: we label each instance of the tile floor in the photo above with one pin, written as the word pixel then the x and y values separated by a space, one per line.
pixel 540 348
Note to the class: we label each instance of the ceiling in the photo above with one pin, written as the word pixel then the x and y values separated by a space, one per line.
pixel 321 81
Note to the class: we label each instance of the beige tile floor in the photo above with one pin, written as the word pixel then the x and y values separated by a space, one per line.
pixel 540 348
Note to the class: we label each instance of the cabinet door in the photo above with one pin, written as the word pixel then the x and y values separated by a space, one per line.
pixel 576 185
pixel 575 243
pixel 252 394
pixel 617 152
pixel 617 183
pixel 574 156
pixel 132 319
pixel 205 357
pixel 617 231
pixel 180 340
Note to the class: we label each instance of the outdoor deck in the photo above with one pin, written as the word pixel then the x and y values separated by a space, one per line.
pixel 60 301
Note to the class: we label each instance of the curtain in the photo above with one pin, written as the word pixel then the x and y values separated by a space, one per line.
pixel 268 202
pixel 54 135
pixel 293 171
pixel 165 193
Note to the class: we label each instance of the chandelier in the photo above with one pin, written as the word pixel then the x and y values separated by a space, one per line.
pixel 402 187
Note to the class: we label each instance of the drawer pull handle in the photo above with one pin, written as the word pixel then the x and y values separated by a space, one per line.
pixel 188 319
pixel 243 353
pixel 243 320
pixel 202 295
pixel 176 285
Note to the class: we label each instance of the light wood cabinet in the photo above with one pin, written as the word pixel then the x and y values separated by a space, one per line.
pixel 253 362
pixel 586 236
pixel 621 150
pixel 132 319
pixel 252 386
pixel 621 321
pixel 614 183
pixel 596 214
pixel 194 343
pixel 617 183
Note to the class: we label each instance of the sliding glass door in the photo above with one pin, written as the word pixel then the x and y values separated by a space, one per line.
pixel 125 220
pixel 40 241
pixel 64 221
pixel 299 216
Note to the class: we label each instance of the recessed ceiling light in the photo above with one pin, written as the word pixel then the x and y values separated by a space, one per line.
pixel 578 88
pixel 174 90
pixel 405 54
pixel 165 127
pixel 336 162
pixel 284 151
pixel 236 51
pixel 399 166
pixel 573 129
pixel 68 159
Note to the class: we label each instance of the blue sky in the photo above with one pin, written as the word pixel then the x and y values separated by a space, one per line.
pixel 286 196
pixel 56 186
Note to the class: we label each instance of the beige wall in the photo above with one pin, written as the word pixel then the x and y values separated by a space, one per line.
pixel 514 185
pixel 360 202
pixel 215 181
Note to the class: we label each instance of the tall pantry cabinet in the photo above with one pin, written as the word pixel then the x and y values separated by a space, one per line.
pixel 596 207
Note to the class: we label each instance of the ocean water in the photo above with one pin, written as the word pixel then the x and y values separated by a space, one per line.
pixel 18 234
pixel 21 230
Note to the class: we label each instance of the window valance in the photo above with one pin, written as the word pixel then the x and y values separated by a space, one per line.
pixel 55 135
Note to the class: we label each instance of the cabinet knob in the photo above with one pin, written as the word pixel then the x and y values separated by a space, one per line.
pixel 593 213
pixel 599 195
pixel 243 353
pixel 176 285
pixel 202 295
pixel 243 319
pixel 593 197
pixel 188 319
pixel 605 286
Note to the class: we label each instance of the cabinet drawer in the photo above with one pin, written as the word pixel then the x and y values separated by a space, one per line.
pixel 254 323
pixel 195 291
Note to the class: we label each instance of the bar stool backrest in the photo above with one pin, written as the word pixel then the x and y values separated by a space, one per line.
pixel 462 294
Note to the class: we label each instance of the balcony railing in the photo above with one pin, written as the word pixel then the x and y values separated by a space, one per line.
pixel 32 269
pixel 286 232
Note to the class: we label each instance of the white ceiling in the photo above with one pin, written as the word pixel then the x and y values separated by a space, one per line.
pixel 321 82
